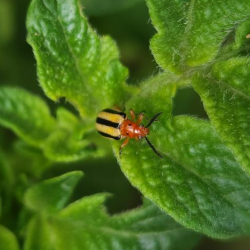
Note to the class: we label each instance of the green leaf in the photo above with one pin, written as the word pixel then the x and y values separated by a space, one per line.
pixel 62 147
pixel 6 184
pixel 19 112
pixel 223 81
pixel 8 240
pixel 104 7
pixel 73 61
pixel 191 33
pixel 28 159
pixel 60 140
pixel 220 46
pixel 65 144
pixel 143 228
pixel 198 181
pixel 85 225
pixel 6 173
pixel 226 96
pixel 241 36
pixel 50 196
pixel 39 235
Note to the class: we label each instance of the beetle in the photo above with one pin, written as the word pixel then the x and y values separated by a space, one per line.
pixel 114 124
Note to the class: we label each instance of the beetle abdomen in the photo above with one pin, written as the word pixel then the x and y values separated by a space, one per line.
pixel 108 123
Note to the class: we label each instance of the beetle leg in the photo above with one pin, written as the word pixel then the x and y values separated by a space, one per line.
pixel 140 118
pixel 132 113
pixel 123 145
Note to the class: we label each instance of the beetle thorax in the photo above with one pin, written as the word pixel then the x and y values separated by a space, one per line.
pixel 133 130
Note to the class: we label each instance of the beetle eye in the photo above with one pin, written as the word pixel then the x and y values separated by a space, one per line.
pixel 127 133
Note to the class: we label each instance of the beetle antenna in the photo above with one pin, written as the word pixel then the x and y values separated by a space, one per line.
pixel 151 146
pixel 153 119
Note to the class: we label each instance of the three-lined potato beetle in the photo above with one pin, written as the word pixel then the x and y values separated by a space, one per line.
pixel 115 125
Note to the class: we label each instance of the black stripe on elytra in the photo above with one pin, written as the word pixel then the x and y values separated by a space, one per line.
pixel 107 123
pixel 110 136
pixel 112 111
